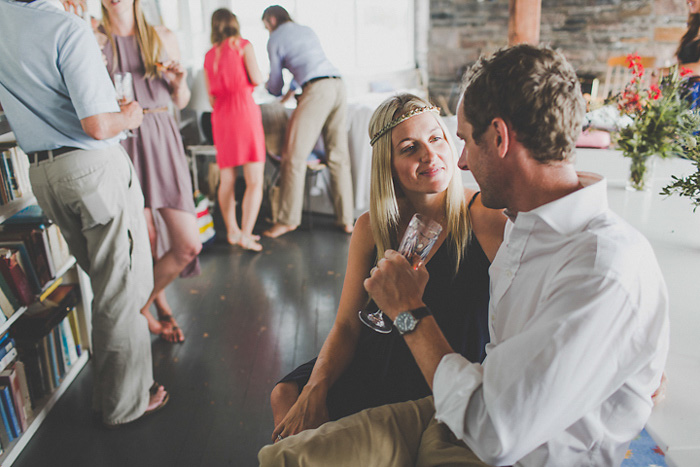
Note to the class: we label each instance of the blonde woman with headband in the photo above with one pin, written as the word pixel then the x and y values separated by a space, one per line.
pixel 150 53
pixel 414 170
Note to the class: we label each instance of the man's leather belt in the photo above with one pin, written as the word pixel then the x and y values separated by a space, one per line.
pixel 318 78
pixel 40 156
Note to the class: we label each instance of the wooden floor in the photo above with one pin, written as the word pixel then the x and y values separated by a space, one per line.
pixel 248 319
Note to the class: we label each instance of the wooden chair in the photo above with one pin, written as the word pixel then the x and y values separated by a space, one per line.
pixel 618 75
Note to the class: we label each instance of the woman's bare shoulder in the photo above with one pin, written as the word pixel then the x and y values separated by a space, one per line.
pixel 488 225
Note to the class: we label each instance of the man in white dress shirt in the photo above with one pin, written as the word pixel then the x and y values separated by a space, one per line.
pixel 578 314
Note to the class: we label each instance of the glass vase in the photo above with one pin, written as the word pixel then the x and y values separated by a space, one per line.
pixel 641 173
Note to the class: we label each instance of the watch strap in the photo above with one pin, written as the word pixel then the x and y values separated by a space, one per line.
pixel 420 313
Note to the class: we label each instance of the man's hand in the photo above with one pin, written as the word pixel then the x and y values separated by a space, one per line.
pixel 133 113
pixel 395 286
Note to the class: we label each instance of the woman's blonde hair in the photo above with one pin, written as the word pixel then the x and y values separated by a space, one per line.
pixel 150 44
pixel 385 192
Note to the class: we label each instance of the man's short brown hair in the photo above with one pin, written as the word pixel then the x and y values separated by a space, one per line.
pixel 535 90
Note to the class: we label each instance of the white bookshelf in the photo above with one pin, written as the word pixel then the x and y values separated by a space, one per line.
pixel 71 274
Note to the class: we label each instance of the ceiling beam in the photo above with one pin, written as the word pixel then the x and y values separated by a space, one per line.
pixel 524 21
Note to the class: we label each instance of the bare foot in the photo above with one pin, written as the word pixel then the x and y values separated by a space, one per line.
pixel 248 243
pixel 278 230
pixel 158 398
pixel 347 228
pixel 154 325
pixel 171 331
pixel 234 238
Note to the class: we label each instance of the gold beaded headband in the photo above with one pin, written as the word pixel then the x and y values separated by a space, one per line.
pixel 402 118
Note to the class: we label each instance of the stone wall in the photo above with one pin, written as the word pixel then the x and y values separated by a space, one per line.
pixel 586 31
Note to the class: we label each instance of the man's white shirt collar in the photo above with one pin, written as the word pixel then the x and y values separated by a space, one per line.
pixel 572 212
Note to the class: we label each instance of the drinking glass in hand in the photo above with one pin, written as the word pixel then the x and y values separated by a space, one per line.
pixel 420 236
pixel 124 85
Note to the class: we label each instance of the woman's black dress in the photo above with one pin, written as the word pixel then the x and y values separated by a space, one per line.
pixel 383 370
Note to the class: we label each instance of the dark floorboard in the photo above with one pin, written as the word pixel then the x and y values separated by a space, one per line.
pixel 248 319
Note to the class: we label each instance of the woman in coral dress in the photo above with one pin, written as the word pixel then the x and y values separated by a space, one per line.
pixel 232 73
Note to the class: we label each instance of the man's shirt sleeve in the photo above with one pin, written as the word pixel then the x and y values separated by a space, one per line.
pixel 581 347
pixel 80 62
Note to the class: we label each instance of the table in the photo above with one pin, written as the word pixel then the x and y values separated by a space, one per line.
pixel 674 233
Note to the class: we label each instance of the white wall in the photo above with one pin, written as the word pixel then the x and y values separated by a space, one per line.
pixel 366 39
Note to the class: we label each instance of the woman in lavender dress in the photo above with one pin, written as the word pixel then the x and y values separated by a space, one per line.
pixel 150 54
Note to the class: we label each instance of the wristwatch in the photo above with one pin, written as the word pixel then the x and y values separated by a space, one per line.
pixel 408 320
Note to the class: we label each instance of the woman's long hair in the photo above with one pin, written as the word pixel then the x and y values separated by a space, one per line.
pixel 224 24
pixel 150 44
pixel 691 34
pixel 384 194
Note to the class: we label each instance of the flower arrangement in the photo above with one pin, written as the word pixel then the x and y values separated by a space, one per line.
pixel 663 121
pixel 687 186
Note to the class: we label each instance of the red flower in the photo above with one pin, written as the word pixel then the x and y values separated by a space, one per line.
pixel 634 63
pixel 654 92
pixel 686 71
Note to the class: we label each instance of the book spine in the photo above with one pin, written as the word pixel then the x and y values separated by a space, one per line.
pixel 7 291
pixel 7 359
pixel 75 327
pixel 53 360
pixel 7 345
pixel 48 375
pixel 31 358
pixel 19 368
pixel 21 251
pixel 61 355
pixel 8 405
pixel 5 431
pixel 5 305
pixel 22 165
pixel 8 377
pixel 42 243
pixel 6 177
pixel 69 341
pixel 17 165
pixel 15 277
pixel 3 183
pixel 16 192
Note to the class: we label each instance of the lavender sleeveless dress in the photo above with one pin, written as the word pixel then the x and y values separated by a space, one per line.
pixel 156 148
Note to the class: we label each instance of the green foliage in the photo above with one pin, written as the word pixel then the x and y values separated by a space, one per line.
pixel 687 186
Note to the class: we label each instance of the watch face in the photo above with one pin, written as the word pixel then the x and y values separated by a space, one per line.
pixel 405 322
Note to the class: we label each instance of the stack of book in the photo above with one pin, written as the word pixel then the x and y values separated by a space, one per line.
pixel 46 339
pixel 32 253
pixel 14 169
pixel 16 410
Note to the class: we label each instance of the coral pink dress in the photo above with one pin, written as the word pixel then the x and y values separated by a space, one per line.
pixel 236 120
